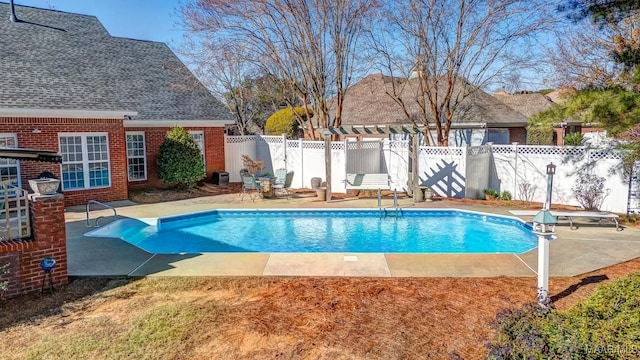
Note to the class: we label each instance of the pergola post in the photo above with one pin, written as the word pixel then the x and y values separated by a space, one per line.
pixel 327 165
pixel 414 167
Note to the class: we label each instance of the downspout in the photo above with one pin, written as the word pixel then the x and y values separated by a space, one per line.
pixel 13 16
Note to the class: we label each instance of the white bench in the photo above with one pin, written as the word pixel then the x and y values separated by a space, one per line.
pixel 378 181
pixel 569 215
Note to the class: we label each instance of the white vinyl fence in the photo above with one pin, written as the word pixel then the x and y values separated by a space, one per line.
pixel 450 171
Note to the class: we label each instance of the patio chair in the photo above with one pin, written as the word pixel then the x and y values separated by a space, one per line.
pixel 283 182
pixel 250 186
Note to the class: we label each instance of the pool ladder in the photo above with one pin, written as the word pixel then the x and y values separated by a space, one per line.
pixel 88 209
pixel 395 212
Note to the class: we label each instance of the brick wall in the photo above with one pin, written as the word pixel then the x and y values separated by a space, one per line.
pixel 49 240
pixel 42 133
pixel 518 135
pixel 214 152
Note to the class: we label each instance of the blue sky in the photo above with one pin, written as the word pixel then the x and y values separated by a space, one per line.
pixel 153 20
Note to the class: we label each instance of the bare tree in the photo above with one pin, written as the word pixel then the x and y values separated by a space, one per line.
pixel 596 55
pixel 441 51
pixel 310 46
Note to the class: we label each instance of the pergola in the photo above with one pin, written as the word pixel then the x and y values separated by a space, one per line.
pixel 30 154
pixel 411 131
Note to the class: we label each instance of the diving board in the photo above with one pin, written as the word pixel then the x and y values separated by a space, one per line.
pixel 569 215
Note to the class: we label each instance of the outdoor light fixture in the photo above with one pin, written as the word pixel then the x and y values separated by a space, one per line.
pixel 544 225
pixel 551 170
pixel 47 264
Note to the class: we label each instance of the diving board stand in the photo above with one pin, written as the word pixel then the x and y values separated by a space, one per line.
pixel 569 215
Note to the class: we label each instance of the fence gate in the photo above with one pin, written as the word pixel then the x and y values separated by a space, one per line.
pixel 14 213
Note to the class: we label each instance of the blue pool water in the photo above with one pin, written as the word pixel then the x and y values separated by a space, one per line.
pixel 412 231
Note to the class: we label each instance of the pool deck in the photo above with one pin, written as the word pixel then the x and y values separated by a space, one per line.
pixel 574 252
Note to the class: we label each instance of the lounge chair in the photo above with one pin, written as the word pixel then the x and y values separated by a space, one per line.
pixel 250 186
pixel 570 215
pixel 282 182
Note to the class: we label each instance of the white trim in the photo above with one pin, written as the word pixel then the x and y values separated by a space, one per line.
pixel 85 159
pixel 144 155
pixel 65 113
pixel 201 145
pixel 172 123
pixel 16 163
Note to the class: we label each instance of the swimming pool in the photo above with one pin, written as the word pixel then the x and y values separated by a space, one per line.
pixel 334 230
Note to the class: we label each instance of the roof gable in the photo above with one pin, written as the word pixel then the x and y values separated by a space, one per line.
pixel 368 103
pixel 58 60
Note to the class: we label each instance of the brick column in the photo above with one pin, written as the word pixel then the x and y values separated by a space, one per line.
pixel 50 240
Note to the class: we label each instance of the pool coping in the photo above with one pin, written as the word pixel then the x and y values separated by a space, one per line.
pixel 574 252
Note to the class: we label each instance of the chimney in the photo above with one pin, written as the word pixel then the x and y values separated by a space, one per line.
pixel 13 16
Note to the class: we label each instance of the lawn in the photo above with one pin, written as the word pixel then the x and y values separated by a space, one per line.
pixel 290 318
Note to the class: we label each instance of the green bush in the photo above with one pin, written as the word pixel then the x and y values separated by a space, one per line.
pixel 506 196
pixel 606 325
pixel 284 121
pixel 180 160
pixel 540 135
pixel 490 193
pixel 574 139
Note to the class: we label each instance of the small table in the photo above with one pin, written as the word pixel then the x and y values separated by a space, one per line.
pixel 266 184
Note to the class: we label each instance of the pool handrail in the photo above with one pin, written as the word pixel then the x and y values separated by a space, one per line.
pixel 88 209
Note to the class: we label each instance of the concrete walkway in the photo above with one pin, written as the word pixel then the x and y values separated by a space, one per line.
pixel 588 248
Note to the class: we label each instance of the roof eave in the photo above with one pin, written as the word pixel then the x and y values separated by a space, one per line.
pixel 65 113
pixel 170 123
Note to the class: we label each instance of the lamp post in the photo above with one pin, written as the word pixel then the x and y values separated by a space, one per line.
pixel 551 170
pixel 544 225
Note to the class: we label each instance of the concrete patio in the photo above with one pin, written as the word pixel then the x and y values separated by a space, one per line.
pixel 575 252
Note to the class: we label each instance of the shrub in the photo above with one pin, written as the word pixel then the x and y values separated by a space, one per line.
pixel 606 325
pixel 491 194
pixel 506 195
pixel 180 160
pixel 285 121
pixel 527 191
pixel 589 191
pixel 574 139
pixel 540 135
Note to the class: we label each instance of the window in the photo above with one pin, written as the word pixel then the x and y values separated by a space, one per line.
pixel 198 137
pixel 136 156
pixel 85 161
pixel 9 168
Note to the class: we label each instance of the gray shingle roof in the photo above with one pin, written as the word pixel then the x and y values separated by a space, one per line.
pixel 368 103
pixel 57 60
pixel 527 104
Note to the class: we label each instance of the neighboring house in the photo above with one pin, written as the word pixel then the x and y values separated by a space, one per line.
pixel 105 103
pixel 478 119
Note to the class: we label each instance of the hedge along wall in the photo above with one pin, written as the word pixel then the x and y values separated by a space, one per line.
pixel 49 240
pixel 214 148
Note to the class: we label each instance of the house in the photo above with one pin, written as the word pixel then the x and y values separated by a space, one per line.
pixel 478 119
pixel 105 103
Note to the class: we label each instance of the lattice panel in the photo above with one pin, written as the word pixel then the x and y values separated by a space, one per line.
pixel 441 151
pixel 313 145
pixel 606 154
pixel 502 149
pixel 399 145
pixel 358 145
pixel 239 139
pixel 552 150
pixel 293 144
pixel 336 146
pixel 479 150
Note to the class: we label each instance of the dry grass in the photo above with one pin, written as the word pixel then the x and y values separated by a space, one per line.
pixel 259 318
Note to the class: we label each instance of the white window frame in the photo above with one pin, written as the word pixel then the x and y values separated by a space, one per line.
pixel 10 163
pixel 200 143
pixel 143 157
pixel 85 160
